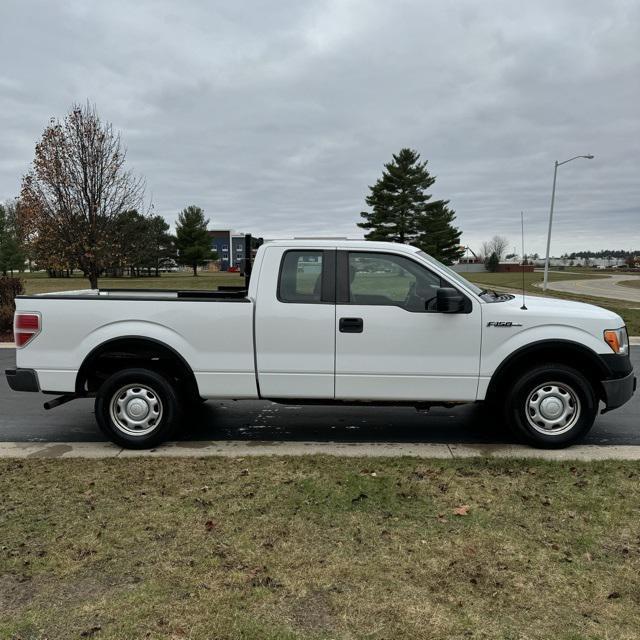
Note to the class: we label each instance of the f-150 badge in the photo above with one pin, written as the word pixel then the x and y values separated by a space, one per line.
pixel 504 324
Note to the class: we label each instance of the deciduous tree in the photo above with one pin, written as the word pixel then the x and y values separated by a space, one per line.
pixel 76 191
pixel 144 242
pixel 161 245
pixel 497 245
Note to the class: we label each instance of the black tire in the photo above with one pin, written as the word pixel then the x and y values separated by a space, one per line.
pixel 570 395
pixel 143 386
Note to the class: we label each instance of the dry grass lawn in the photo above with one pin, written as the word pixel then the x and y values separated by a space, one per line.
pixel 318 547
pixel 514 279
pixel 40 282
pixel 631 283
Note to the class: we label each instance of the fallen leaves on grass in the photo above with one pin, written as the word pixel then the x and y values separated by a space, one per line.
pixel 89 632
pixel 210 525
pixel 462 510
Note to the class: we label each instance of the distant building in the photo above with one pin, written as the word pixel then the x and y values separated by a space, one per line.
pixel 582 262
pixel 469 262
pixel 229 245
pixel 469 257
pixel 514 267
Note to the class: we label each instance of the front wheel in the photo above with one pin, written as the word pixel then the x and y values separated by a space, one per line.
pixel 137 408
pixel 552 406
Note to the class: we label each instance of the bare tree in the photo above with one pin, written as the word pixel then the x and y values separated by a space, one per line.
pixel 76 191
pixel 497 245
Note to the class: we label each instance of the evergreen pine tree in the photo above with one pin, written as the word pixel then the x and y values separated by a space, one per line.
pixel 402 210
pixel 438 237
pixel 492 262
pixel 397 199
pixel 192 239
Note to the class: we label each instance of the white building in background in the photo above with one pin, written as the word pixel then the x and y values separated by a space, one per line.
pixel 603 263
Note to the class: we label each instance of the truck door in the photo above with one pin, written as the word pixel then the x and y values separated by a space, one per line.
pixel 295 323
pixel 390 342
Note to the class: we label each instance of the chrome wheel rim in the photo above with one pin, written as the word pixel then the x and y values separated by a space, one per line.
pixel 136 410
pixel 553 408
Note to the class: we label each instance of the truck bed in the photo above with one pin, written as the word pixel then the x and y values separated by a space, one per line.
pixel 211 330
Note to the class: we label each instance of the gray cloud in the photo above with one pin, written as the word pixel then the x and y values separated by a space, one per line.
pixel 275 117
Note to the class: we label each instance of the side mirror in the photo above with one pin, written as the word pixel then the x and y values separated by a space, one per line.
pixel 449 300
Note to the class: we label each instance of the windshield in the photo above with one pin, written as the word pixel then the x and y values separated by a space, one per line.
pixel 454 275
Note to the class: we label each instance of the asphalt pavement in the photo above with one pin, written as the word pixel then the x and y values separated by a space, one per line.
pixel 608 287
pixel 23 419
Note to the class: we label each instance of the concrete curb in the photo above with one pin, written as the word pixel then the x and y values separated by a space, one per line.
pixel 236 448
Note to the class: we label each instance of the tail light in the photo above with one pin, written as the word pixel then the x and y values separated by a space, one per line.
pixel 26 327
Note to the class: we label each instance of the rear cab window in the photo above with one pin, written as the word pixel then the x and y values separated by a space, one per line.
pixel 307 276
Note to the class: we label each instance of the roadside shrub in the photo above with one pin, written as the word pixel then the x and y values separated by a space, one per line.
pixel 9 289
pixel 492 262
pixel 6 319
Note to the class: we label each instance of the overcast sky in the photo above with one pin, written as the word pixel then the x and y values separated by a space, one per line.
pixel 275 116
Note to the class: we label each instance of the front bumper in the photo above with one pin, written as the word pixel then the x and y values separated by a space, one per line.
pixel 618 391
pixel 22 379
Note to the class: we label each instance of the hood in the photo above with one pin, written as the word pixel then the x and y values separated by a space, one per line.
pixel 542 310
pixel 562 308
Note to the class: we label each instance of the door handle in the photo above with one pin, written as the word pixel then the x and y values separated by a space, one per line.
pixel 351 325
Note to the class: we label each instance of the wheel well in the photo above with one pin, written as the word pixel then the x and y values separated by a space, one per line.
pixel 126 353
pixel 568 353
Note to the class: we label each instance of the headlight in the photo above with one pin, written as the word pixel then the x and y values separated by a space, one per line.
pixel 618 340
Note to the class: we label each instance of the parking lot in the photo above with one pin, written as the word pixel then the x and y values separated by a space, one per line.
pixel 23 419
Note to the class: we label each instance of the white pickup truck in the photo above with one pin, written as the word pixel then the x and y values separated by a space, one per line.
pixel 325 322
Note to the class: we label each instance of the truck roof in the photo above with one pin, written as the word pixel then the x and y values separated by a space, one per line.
pixel 340 243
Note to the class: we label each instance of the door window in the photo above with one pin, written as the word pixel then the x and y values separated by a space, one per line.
pixel 301 277
pixel 385 279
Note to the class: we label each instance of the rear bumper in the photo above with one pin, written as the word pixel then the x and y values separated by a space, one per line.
pixel 22 379
pixel 618 391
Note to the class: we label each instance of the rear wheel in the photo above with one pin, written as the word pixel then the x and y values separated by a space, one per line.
pixel 137 408
pixel 551 406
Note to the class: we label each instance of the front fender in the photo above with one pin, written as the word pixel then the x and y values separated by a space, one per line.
pixel 497 348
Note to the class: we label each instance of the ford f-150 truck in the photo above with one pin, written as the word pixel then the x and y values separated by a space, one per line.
pixel 325 322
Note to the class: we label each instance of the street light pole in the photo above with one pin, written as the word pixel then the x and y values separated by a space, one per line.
pixel 553 197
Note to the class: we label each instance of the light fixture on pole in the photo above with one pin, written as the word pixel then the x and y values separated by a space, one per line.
pixel 553 197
